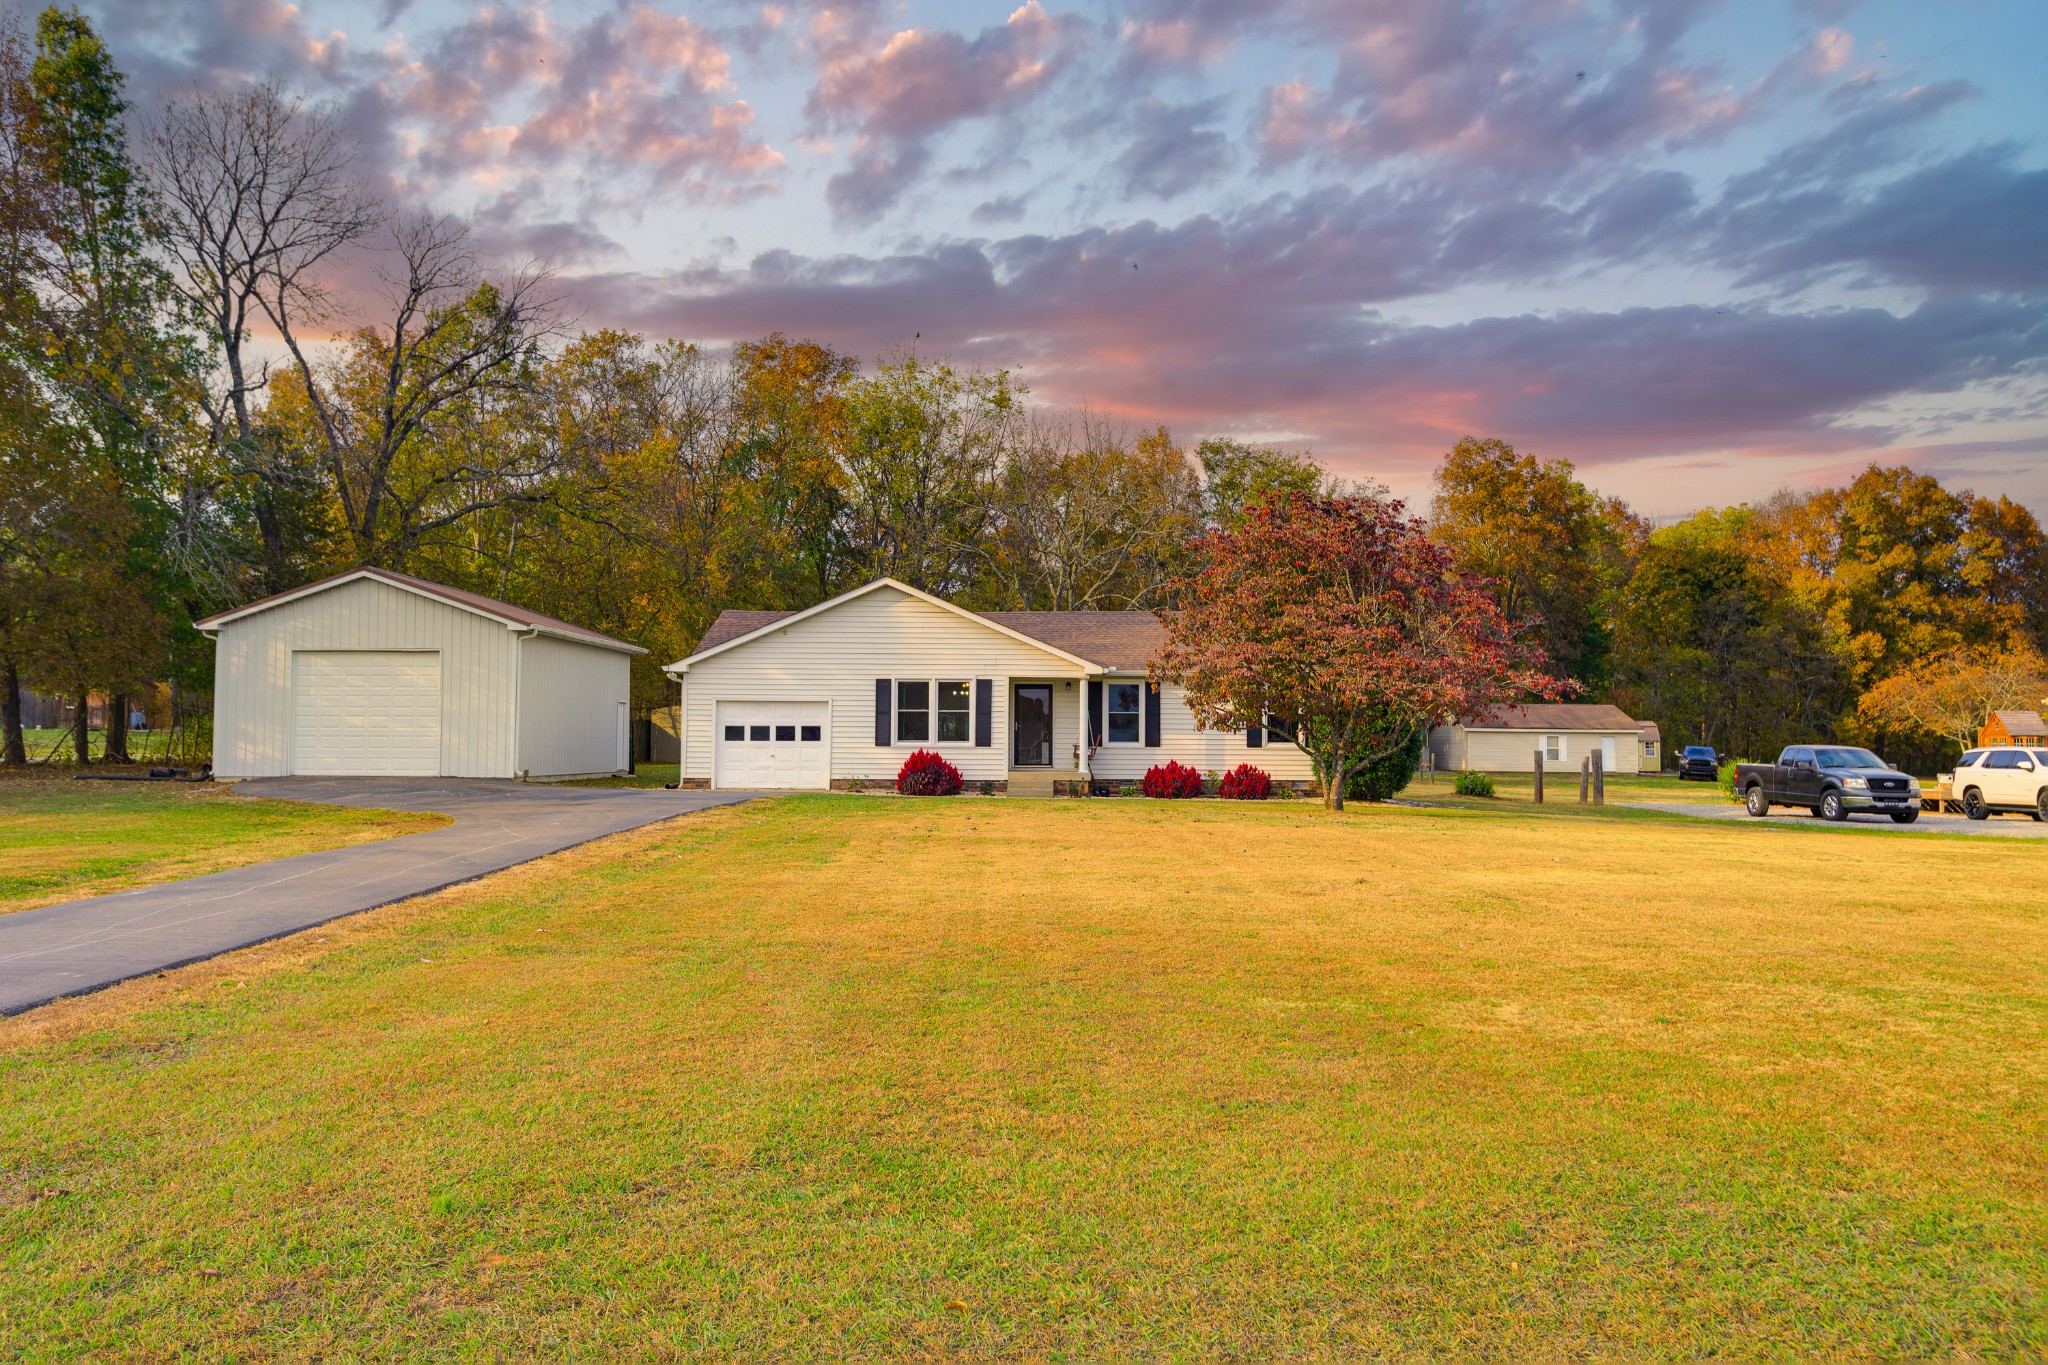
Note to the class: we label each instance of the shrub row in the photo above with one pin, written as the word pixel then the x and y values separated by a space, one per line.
pixel 925 773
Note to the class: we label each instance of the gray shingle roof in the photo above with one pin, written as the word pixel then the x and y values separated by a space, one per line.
pixel 1553 716
pixel 2018 723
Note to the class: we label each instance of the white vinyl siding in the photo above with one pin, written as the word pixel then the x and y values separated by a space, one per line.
pixel 1206 751
pixel 836 656
pixel 1514 751
pixel 569 700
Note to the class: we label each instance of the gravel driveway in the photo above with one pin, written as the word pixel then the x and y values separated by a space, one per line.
pixel 80 946
pixel 2007 826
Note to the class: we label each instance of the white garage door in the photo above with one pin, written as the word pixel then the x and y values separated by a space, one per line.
pixel 774 744
pixel 362 713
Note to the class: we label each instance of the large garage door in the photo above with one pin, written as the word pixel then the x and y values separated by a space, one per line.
pixel 361 713
pixel 774 744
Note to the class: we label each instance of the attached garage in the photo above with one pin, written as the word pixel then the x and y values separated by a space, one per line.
pixel 776 745
pixel 380 674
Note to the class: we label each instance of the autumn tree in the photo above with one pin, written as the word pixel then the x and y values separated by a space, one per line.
pixel 1237 477
pixel 1952 695
pixel 1709 645
pixel 1551 547
pixel 1340 618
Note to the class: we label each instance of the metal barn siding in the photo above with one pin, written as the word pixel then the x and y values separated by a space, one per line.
pixel 253 674
pixel 569 699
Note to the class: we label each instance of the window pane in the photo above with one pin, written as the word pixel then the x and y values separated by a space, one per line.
pixel 1123 697
pixel 913 712
pixel 914 696
pixel 1123 729
pixel 760 734
pixel 785 734
pixel 812 734
pixel 953 712
pixel 736 732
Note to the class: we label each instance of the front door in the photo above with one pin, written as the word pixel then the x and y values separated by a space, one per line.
pixel 1031 726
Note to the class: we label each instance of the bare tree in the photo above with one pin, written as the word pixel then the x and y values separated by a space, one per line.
pixel 1088 518
pixel 405 415
pixel 259 192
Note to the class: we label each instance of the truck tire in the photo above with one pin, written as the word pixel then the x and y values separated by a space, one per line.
pixel 1974 807
pixel 1831 808
pixel 1756 801
pixel 1905 817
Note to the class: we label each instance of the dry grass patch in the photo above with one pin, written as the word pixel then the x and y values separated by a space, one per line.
pixel 835 1076
pixel 63 840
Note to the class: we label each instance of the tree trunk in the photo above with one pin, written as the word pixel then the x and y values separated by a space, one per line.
pixel 13 747
pixel 81 729
pixel 117 729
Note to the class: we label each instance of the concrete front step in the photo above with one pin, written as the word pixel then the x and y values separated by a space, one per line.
pixel 1031 782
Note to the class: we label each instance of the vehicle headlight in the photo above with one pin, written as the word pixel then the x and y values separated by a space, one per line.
pixel 1856 784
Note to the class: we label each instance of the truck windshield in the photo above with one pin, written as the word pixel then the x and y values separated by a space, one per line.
pixel 1849 758
pixel 1695 751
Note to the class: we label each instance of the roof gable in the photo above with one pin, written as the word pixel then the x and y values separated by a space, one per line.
pixel 744 627
pixel 491 607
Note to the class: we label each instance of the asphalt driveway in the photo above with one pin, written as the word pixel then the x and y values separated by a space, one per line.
pixel 2008 826
pixel 80 946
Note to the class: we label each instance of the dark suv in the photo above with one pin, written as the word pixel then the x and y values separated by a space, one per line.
pixel 1697 760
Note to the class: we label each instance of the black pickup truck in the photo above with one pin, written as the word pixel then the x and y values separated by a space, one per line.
pixel 1831 780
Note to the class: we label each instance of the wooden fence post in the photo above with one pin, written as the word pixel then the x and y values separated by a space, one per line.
pixel 1539 777
pixel 1599 777
pixel 1585 779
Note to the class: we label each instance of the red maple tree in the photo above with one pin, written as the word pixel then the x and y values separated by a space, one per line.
pixel 1339 619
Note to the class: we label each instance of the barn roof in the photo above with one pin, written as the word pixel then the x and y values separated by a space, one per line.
pixel 2026 724
pixel 506 612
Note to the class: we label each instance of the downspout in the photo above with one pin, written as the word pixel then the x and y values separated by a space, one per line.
pixel 520 635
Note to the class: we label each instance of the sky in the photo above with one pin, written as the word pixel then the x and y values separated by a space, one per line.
pixel 1702 250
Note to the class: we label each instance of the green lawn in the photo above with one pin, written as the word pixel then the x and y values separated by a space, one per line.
pixel 62 840
pixel 144 746
pixel 833 1076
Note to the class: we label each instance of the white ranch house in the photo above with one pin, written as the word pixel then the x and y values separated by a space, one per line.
pixel 1038 703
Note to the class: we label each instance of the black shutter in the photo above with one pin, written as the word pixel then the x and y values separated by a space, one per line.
pixel 1254 737
pixel 1151 716
pixel 1095 720
pixel 883 734
pixel 984 713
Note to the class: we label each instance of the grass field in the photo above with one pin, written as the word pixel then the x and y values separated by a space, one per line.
pixel 62 840
pixel 837 1075
pixel 144 746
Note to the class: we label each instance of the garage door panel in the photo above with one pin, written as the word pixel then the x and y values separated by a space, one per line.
pixel 362 713
pixel 776 745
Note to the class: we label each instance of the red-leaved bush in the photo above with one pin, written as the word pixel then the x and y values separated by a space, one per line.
pixel 1172 780
pixel 926 774
pixel 1245 783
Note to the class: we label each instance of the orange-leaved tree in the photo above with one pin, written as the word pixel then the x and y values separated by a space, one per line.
pixel 1340 620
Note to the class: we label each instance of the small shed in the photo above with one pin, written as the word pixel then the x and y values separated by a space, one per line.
pixel 1505 739
pixel 378 674
pixel 2024 728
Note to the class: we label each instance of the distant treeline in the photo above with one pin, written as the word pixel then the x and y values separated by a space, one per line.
pixel 157 463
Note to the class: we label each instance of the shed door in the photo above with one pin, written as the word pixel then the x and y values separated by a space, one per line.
pixel 1607 754
pixel 363 713
pixel 772 744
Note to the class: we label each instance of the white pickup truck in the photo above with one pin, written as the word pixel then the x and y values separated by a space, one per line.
pixel 2007 778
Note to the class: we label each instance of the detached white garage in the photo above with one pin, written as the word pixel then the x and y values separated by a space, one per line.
pixel 379 674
